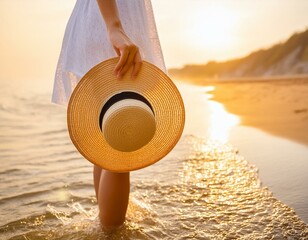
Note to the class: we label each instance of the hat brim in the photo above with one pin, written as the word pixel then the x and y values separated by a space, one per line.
pixel 96 87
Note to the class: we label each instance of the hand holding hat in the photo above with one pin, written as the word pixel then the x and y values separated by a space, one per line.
pixel 125 125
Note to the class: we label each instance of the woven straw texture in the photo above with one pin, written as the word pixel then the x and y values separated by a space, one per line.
pixel 128 125
pixel 93 91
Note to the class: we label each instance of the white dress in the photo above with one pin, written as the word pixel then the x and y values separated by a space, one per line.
pixel 86 42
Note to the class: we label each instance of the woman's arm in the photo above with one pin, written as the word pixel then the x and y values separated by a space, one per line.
pixel 124 47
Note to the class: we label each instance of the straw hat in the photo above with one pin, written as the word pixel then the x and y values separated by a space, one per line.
pixel 128 124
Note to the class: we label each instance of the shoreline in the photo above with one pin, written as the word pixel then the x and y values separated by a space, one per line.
pixel 279 107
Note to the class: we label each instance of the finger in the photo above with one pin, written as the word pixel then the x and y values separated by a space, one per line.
pixel 117 51
pixel 129 62
pixel 122 61
pixel 137 65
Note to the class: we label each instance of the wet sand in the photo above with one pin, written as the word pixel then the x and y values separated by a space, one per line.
pixel 281 162
pixel 279 107
pixel 201 190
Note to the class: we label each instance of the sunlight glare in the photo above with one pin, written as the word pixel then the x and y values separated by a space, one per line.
pixel 220 121
pixel 213 27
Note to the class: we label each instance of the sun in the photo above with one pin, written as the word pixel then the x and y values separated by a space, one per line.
pixel 213 26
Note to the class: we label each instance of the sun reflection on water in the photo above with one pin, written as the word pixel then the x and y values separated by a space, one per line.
pixel 220 120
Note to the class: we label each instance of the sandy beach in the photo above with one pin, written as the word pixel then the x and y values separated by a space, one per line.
pixel 200 190
pixel 277 106
pixel 281 161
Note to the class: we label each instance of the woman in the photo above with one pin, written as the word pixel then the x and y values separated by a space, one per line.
pixel 98 30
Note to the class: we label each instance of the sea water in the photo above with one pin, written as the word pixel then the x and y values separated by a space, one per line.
pixel 282 163
pixel 202 190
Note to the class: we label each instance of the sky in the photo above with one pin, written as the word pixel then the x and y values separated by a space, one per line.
pixel 204 30
pixel 190 31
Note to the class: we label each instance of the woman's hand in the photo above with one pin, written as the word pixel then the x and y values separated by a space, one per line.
pixel 127 51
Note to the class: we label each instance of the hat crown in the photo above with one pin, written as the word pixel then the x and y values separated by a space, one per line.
pixel 128 125
pixel 98 90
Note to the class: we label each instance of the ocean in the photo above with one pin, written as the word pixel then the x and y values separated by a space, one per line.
pixel 203 189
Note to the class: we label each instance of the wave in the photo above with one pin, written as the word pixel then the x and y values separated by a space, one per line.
pixel 200 190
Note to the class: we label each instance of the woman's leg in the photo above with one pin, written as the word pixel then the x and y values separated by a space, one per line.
pixel 112 196
pixel 97 171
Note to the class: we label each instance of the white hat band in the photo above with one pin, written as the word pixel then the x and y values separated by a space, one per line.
pixel 128 125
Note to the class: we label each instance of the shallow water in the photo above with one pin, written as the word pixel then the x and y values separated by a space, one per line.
pixel 282 163
pixel 201 190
